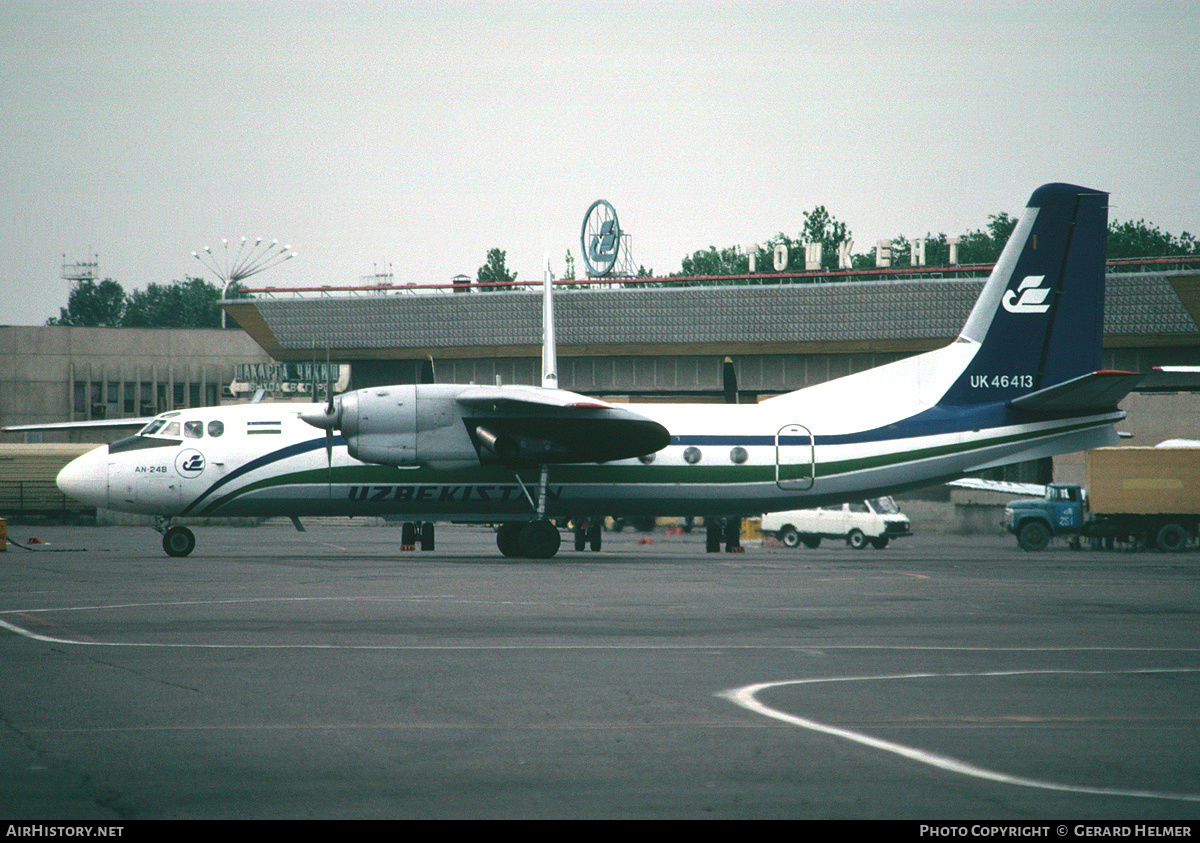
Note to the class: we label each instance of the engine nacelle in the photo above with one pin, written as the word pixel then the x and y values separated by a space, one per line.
pixel 407 425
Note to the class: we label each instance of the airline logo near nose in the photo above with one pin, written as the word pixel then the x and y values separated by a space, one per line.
pixel 189 463
pixel 1029 297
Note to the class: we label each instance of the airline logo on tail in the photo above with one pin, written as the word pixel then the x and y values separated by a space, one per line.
pixel 1032 296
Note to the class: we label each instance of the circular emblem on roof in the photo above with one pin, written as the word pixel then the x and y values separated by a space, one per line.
pixel 600 238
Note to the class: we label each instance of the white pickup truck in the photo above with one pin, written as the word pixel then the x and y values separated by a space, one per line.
pixel 874 522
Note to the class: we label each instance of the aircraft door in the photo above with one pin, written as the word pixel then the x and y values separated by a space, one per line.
pixel 795 458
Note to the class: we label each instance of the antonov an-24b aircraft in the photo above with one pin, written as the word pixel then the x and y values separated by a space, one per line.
pixel 1020 382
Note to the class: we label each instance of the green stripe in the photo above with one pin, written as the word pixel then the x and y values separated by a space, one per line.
pixel 642 475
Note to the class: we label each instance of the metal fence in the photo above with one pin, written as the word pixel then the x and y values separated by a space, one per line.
pixel 37 498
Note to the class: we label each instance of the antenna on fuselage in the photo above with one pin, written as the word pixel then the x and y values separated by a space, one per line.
pixel 549 352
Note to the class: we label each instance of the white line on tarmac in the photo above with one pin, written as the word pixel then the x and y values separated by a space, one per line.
pixel 747 698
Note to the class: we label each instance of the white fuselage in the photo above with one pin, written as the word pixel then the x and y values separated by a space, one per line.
pixel 873 432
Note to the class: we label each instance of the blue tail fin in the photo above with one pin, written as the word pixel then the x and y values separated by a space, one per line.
pixel 1040 318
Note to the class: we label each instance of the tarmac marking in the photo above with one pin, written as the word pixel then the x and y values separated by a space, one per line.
pixel 52 625
pixel 747 697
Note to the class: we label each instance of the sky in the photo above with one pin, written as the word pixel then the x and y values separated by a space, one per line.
pixel 416 136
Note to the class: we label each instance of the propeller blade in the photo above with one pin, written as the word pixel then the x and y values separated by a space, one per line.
pixel 329 412
pixel 328 384
pixel 729 379
pixel 427 375
pixel 313 372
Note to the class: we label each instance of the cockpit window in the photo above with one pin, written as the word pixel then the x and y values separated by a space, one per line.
pixel 193 430
pixel 164 427
pixel 153 427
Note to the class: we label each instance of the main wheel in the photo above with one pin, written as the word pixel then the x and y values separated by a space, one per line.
pixel 733 533
pixel 712 536
pixel 179 541
pixel 426 533
pixel 507 536
pixel 595 537
pixel 538 539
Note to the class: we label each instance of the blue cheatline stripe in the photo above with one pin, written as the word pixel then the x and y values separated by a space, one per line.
pixel 260 462
pixel 640 475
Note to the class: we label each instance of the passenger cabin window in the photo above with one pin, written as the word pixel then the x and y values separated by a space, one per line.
pixel 216 428
pixel 193 430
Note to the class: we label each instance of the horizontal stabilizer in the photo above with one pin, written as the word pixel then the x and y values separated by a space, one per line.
pixel 1007 487
pixel 1171 379
pixel 1097 392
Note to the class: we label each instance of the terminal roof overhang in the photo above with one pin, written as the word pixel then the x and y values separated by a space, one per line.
pixel 1142 309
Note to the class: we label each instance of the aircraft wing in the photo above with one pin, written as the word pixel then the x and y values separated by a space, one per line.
pixel 97 424
pixel 1097 391
pixel 533 397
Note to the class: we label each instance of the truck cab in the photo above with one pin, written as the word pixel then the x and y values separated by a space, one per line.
pixel 1034 522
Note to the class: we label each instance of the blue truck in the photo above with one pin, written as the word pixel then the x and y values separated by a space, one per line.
pixel 1140 497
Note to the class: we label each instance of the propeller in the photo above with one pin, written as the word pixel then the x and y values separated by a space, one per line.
pixel 729 381
pixel 329 416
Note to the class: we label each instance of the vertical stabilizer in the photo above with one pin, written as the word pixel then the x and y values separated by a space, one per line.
pixel 1039 320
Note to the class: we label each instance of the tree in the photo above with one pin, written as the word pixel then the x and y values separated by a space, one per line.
pixel 983 247
pixel 729 261
pixel 494 273
pixel 821 227
pixel 93 305
pixel 188 304
pixel 1142 240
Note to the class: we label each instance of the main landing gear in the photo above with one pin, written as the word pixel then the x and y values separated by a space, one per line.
pixel 532 539
pixel 413 533
pixel 727 530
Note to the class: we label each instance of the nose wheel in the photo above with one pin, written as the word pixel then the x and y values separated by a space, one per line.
pixel 179 541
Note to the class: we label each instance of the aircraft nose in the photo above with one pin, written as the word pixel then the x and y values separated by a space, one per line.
pixel 85 478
